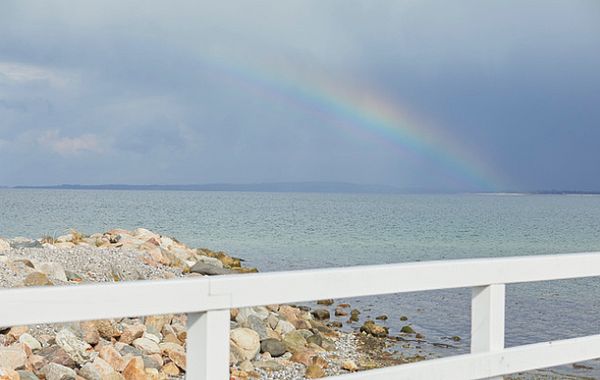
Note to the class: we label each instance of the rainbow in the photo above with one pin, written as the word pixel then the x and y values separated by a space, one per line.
pixel 366 114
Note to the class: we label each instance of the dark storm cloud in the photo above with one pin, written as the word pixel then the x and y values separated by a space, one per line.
pixel 135 91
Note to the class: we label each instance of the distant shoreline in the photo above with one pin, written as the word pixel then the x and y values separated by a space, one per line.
pixel 293 187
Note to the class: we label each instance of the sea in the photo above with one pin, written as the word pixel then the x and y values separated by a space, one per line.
pixel 289 231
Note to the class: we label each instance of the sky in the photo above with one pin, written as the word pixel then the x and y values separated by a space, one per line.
pixel 498 95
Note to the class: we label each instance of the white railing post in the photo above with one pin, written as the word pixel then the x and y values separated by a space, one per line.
pixel 208 345
pixel 487 319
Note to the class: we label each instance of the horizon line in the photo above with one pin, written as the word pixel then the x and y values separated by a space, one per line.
pixel 300 186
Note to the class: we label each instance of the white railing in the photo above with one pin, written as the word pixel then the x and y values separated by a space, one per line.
pixel 207 300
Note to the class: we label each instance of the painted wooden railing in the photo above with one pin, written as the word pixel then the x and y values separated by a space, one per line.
pixel 208 300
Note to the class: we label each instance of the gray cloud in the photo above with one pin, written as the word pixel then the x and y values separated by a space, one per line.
pixel 172 93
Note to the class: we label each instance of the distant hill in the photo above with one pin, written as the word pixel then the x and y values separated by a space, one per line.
pixel 282 187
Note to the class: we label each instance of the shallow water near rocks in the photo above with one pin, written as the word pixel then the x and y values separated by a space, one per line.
pixel 282 231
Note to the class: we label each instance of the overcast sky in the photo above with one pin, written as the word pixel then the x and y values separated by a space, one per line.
pixel 181 92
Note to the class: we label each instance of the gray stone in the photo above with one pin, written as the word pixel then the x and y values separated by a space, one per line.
pixel 260 312
pixel 320 314
pixel 256 324
pixel 316 339
pixel 90 372
pixel 150 362
pixel 75 347
pixel 273 347
pixel 269 365
pixel 26 375
pixel 55 371
pixel 130 350
pixel 209 270
pixel 146 345
pixel 21 242
pixel 210 261
pixel 30 341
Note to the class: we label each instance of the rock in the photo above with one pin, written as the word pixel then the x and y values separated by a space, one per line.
pixel 144 234
pixel 12 358
pixel 27 375
pixel 52 270
pixel 157 321
pixel 303 357
pixel 456 338
pixel 170 369
pixel 336 324
pixel 305 333
pixel 407 330
pixel 294 341
pixel 37 279
pixel 273 347
pixel 236 355
pixel 247 341
pixel 15 332
pixel 210 261
pixel 256 324
pixel 259 312
pixel 112 357
pixel 374 329
pixel 246 366
pixel 55 354
pixel 174 352
pixel 382 318
pixel 228 261
pixel 131 333
pixel 326 302
pixel 313 371
pixel 404 318
pixel 21 242
pixel 107 329
pixel 315 339
pixel 4 245
pixel 146 345
pixel 89 332
pixel 55 371
pixel 349 365
pixel 99 370
pixel 30 341
pixel 76 348
pixel 153 361
pixel 9 374
pixel 135 370
pixel 320 314
pixel 354 315
pixel 209 270
pixel 269 365
pixel 340 312
pixel 156 337
pixel 283 327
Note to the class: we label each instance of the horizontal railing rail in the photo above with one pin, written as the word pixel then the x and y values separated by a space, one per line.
pixel 208 300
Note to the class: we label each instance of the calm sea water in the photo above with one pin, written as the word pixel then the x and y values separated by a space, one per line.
pixel 276 231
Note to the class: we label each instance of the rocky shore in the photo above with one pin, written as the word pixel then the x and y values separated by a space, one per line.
pixel 270 342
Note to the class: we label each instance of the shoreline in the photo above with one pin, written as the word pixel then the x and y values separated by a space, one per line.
pixel 269 342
